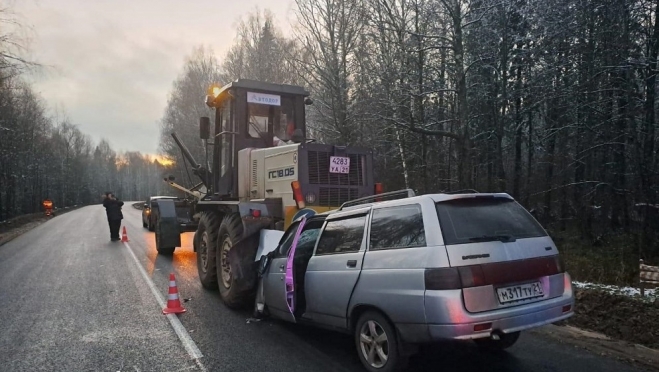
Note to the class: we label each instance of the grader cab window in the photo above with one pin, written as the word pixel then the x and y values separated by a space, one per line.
pixel 271 117
pixel 285 126
pixel 226 140
pixel 259 118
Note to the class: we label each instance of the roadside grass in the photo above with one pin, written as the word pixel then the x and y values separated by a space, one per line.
pixel 613 259
pixel 605 278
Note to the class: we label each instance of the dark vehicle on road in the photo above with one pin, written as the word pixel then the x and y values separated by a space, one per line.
pixel 148 220
pixel 183 212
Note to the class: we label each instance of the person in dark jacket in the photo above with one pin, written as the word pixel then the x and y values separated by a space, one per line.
pixel 113 210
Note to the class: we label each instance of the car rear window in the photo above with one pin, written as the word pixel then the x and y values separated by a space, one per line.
pixel 472 220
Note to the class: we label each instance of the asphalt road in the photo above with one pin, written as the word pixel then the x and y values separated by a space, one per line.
pixel 71 300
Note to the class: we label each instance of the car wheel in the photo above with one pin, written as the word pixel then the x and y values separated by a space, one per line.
pixel 195 240
pixel 377 344
pixel 207 241
pixel 505 341
pixel 144 225
pixel 150 226
pixel 168 251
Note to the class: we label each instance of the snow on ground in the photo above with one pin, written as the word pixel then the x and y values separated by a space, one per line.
pixel 650 294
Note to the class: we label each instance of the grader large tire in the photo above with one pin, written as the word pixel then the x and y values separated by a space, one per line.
pixel 207 230
pixel 231 231
pixel 163 251
pixel 195 241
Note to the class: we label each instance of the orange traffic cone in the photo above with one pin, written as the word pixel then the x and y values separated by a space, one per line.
pixel 124 236
pixel 173 303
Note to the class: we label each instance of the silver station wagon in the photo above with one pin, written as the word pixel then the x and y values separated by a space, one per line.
pixel 416 269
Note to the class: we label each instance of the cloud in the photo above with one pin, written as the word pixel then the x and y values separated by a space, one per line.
pixel 114 62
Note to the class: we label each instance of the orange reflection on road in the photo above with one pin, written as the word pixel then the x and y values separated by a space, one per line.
pixel 184 258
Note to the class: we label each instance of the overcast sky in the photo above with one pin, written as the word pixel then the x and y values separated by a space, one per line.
pixel 114 61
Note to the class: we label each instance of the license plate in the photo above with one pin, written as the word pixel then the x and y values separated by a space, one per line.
pixel 520 292
pixel 339 164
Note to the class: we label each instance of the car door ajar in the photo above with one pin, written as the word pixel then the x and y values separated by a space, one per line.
pixel 275 291
pixel 334 269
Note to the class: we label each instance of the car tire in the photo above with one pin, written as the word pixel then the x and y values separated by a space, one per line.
pixel 372 353
pixel 164 251
pixel 195 240
pixel 208 228
pixel 150 226
pixel 231 231
pixel 505 341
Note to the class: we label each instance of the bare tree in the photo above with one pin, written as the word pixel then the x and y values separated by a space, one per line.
pixel 260 52
pixel 186 105
pixel 330 35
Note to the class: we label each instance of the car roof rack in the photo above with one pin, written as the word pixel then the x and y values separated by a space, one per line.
pixel 463 191
pixel 391 195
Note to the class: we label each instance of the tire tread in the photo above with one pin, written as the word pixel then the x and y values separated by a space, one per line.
pixel 210 222
pixel 232 225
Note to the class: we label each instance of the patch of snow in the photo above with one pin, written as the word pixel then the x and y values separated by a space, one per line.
pixel 650 294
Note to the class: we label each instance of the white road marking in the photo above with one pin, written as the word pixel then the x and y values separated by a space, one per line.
pixel 200 365
pixel 182 334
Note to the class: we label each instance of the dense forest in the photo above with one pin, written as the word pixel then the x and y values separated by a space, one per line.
pixel 45 156
pixel 552 101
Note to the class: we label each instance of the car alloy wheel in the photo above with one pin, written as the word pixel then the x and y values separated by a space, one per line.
pixel 374 344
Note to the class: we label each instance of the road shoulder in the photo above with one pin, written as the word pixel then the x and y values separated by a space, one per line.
pixel 602 345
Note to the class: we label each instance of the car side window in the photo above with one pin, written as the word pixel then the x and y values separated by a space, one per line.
pixel 342 236
pixel 287 240
pixel 307 240
pixel 397 227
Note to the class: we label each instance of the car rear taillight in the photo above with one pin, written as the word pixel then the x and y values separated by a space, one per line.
pixel 496 273
pixel 441 279
pixel 472 276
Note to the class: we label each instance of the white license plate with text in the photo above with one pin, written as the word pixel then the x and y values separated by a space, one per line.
pixel 339 164
pixel 519 292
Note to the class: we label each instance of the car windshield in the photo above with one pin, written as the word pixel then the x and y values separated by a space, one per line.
pixel 471 220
